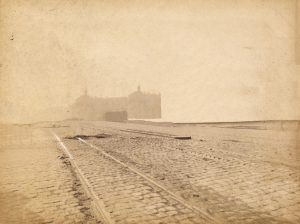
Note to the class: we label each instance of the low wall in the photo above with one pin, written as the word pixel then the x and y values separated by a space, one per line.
pixel 284 125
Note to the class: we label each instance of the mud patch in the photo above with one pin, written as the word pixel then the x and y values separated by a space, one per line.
pixel 83 200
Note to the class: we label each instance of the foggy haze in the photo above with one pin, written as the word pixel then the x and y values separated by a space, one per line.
pixel 210 60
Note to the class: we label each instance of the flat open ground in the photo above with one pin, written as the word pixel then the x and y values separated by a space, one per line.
pixel 221 175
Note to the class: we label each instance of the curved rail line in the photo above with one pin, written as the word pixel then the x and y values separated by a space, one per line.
pixel 174 196
pixel 97 204
pixel 216 158
pixel 159 134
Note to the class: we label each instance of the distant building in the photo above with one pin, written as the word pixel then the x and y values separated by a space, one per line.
pixel 144 105
pixel 95 108
pixel 138 105
pixel 116 116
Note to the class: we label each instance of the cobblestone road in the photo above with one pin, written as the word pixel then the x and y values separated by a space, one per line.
pixel 233 185
pixel 37 184
pixel 127 196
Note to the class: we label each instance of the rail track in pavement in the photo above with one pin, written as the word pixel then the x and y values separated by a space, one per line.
pixel 130 196
pixel 193 174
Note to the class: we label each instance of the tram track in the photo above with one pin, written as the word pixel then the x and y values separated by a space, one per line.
pixel 174 196
pixel 97 205
pixel 88 158
pixel 216 154
pixel 187 181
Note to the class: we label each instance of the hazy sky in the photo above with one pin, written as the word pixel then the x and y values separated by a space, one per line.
pixel 211 60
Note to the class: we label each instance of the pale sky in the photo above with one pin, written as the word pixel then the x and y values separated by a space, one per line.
pixel 211 60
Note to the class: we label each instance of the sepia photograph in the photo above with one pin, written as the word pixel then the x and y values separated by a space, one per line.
pixel 150 112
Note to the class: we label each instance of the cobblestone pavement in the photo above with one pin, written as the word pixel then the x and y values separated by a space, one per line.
pixel 37 184
pixel 127 196
pixel 263 145
pixel 250 185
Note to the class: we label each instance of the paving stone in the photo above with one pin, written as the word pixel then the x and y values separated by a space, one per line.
pixel 290 217
pixel 245 172
pixel 30 172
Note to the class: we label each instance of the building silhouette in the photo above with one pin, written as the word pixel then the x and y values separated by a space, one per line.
pixel 144 105
pixel 137 105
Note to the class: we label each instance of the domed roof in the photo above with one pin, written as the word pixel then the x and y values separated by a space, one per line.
pixel 83 98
